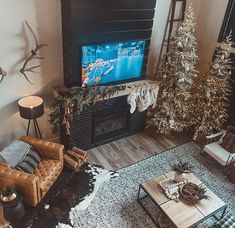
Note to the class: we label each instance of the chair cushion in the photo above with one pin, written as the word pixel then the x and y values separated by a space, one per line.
pixel 48 171
pixel 228 221
pixel 218 152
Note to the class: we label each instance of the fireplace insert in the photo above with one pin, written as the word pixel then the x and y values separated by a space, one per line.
pixel 108 125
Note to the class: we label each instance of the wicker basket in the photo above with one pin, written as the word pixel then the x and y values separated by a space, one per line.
pixel 192 193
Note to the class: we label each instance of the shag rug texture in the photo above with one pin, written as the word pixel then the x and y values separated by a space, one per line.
pixel 112 202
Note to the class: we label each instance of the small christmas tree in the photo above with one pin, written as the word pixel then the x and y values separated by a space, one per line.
pixel 177 73
pixel 213 109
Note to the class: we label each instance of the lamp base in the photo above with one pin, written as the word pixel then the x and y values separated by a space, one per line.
pixel 36 128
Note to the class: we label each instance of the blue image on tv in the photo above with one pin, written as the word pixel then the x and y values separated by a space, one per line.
pixel 107 63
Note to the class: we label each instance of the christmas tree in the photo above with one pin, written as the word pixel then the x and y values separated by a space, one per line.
pixel 176 74
pixel 214 97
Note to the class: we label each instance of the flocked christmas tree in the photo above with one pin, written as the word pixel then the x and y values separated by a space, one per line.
pixel 176 74
pixel 213 97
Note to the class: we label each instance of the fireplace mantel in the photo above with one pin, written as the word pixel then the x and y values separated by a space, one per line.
pixel 57 89
pixel 107 110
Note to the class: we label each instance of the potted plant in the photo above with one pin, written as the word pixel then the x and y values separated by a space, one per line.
pixel 8 194
pixel 181 169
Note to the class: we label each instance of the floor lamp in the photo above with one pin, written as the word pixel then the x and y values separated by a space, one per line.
pixel 31 108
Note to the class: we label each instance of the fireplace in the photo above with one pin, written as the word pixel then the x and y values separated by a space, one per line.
pixel 106 121
pixel 108 125
pixel 118 28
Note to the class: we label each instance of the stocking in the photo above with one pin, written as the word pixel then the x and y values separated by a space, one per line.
pixel 144 101
pixel 131 100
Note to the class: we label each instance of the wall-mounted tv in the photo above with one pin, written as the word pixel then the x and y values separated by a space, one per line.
pixel 110 63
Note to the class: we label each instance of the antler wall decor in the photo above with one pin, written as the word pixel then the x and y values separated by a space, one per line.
pixel 3 74
pixel 33 56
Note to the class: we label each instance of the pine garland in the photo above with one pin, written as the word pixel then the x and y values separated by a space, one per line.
pixel 73 101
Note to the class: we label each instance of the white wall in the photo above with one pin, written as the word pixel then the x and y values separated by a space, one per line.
pixel 44 17
pixel 209 22
pixel 160 20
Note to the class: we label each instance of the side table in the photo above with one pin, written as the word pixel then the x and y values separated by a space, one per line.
pixel 14 210
pixel 231 175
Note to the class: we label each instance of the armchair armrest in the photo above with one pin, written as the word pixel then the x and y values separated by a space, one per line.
pixel 2 163
pixel 27 184
pixel 215 135
pixel 45 148
pixel 231 158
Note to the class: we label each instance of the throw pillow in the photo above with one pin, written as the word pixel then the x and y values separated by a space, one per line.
pixel 30 162
pixel 25 167
pixel 228 142
pixel 35 155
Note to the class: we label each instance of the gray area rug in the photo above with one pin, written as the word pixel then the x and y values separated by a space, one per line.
pixel 115 203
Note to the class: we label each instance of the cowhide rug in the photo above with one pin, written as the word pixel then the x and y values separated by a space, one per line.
pixel 73 191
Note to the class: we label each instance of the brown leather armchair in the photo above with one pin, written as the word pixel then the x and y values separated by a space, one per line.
pixel 35 186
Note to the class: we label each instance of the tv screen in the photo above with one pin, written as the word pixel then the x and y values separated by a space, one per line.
pixel 112 62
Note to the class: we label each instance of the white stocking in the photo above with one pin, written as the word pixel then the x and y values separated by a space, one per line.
pixel 131 100
pixel 144 101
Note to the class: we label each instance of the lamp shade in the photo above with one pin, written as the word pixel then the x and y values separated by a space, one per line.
pixel 31 107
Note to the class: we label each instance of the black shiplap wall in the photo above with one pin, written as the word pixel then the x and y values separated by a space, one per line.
pixel 98 21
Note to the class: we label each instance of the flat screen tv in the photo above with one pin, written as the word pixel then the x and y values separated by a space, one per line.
pixel 110 63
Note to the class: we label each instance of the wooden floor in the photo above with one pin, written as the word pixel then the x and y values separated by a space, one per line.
pixel 127 151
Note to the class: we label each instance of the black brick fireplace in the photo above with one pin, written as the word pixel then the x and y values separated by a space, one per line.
pixel 105 122
pixel 93 22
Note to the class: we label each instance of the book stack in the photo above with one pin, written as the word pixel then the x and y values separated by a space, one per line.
pixel 75 158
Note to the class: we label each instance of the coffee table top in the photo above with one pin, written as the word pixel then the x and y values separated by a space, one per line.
pixel 181 213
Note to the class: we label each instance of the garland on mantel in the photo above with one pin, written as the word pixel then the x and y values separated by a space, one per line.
pixel 73 101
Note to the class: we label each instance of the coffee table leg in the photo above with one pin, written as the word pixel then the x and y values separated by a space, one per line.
pixel 222 215
pixel 145 209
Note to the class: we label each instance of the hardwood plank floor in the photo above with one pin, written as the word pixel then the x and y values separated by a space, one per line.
pixel 129 150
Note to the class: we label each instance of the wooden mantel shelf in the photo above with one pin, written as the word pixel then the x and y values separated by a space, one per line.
pixel 129 86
